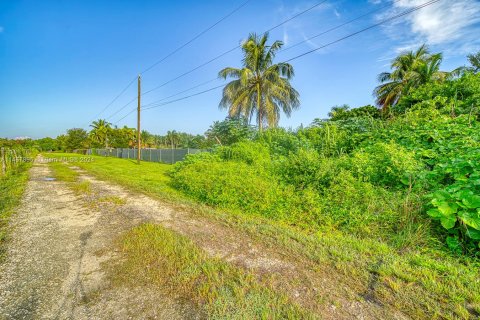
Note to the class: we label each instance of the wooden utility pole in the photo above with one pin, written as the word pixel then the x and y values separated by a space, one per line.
pixel 138 122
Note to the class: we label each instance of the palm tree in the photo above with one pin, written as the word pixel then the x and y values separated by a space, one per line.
pixel 99 132
pixel 146 139
pixel 260 87
pixel 172 138
pixel 337 111
pixel 410 70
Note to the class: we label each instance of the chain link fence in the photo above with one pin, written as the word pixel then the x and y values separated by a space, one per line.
pixel 154 155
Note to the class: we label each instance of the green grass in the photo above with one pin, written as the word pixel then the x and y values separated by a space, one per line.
pixel 62 172
pixel 422 282
pixel 148 177
pixel 153 254
pixel 12 186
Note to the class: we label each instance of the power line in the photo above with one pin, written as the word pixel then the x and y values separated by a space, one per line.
pixel 152 106
pixel 365 29
pixel 183 91
pixel 297 15
pixel 133 110
pixel 115 99
pixel 288 48
pixel 197 36
pixel 183 98
pixel 285 49
pixel 123 107
pixel 336 27
pixel 176 50
pixel 231 50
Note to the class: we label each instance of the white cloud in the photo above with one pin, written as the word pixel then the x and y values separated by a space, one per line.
pixel 337 14
pixel 454 25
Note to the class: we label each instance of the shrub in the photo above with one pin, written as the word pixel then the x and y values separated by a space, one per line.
pixel 281 142
pixel 194 158
pixel 307 169
pixel 386 164
pixel 226 184
pixel 457 205
pixel 359 208
pixel 236 185
pixel 245 151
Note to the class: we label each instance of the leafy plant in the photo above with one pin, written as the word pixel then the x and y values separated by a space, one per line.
pixel 457 206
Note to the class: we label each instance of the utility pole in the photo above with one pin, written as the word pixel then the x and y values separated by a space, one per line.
pixel 138 122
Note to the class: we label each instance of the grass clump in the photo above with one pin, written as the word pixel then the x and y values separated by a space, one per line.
pixel 155 255
pixel 62 172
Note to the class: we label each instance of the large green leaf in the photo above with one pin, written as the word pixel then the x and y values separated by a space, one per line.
pixel 434 213
pixel 474 234
pixel 471 201
pixel 471 219
pixel 448 222
pixel 447 208
pixel 441 195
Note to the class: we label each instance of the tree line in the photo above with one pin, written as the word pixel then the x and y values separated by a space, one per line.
pixel 260 92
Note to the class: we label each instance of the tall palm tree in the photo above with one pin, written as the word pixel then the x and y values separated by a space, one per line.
pixel 100 131
pixel 261 87
pixel 172 138
pixel 410 70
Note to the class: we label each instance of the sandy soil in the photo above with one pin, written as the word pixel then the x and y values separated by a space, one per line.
pixel 54 263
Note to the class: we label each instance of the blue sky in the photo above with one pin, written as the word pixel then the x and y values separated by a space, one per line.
pixel 62 62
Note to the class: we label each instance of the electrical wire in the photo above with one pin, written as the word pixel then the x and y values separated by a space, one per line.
pixel 366 29
pixel 243 4
pixel 183 91
pixel 231 50
pixel 406 12
pixel 337 27
pixel 196 37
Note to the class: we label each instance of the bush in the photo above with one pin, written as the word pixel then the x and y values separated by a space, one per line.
pixel 281 142
pixel 456 203
pixel 360 208
pixel 386 164
pixel 307 169
pixel 245 151
pixel 236 185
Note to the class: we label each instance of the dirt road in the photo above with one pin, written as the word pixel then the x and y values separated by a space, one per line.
pixel 60 244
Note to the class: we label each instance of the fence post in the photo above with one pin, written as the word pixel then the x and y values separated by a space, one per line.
pixel 4 166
